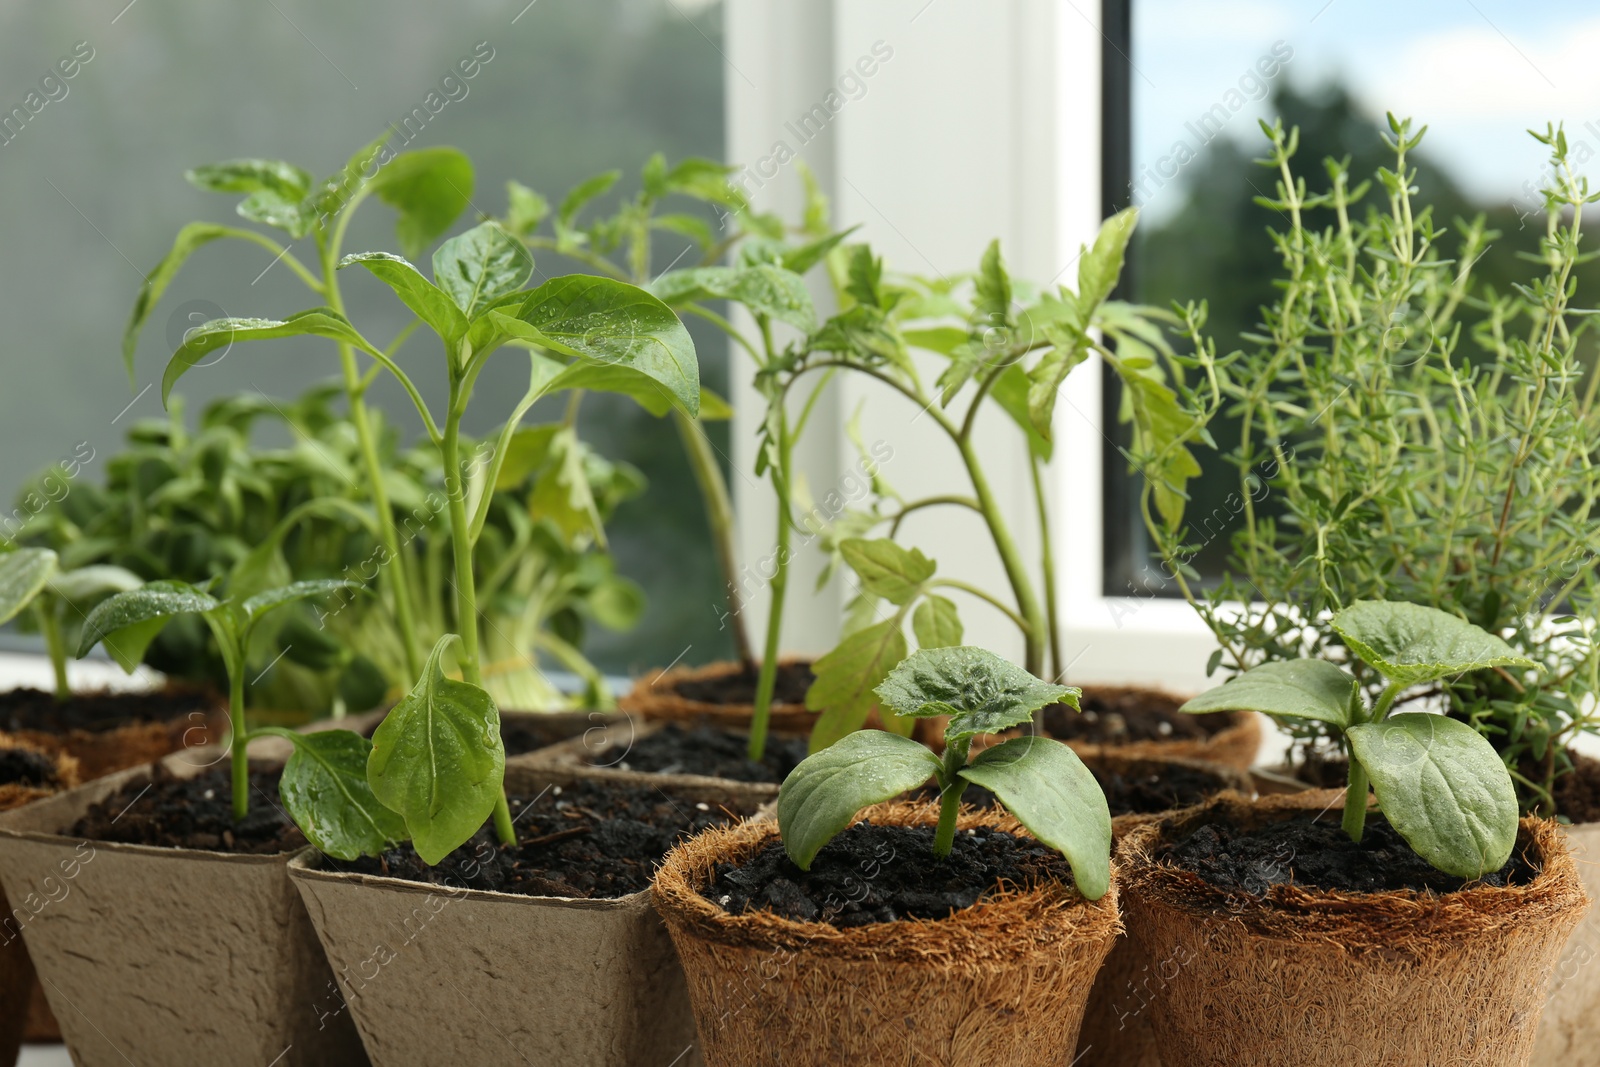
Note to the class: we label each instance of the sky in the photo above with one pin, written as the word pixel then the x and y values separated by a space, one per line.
pixel 1478 72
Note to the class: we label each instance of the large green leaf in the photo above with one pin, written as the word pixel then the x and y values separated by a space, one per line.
pixel 981 692
pixel 220 333
pixel 430 188
pixel 617 332
pixel 1443 788
pixel 822 796
pixel 325 790
pixel 437 759
pixel 1296 689
pixel 155 602
pixel 936 623
pixel 480 266
pixel 1047 787
pixel 765 289
pixel 886 569
pixel 23 574
pixel 846 677
pixel 1411 644
pixel 430 303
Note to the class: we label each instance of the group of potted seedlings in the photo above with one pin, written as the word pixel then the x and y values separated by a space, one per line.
pixel 882 855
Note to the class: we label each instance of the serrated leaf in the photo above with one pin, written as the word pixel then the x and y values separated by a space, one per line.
pixel 981 692
pixel 431 304
pixel 823 794
pixel 886 569
pixel 1047 787
pixel 1297 689
pixel 430 188
pixel 1443 788
pixel 325 790
pixel 1100 266
pixel 1045 381
pixel 936 623
pixel 23 574
pixel 1412 644
pixel 481 266
pixel 991 301
pixel 846 677
pixel 438 761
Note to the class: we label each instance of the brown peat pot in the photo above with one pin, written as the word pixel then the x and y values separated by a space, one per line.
pixel 1403 978
pixel 438 975
pixel 167 955
pixel 659 699
pixel 1000 984
pixel 1232 738
pixel 129 735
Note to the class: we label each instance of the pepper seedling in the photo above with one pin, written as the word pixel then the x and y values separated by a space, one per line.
pixel 1040 781
pixel 1439 782
pixel 34 577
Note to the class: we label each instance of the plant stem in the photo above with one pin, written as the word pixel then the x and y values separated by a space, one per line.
pixel 761 712
pixel 719 516
pixel 1010 558
pixel 1355 801
pixel 240 743
pixel 951 788
pixel 50 627
pixel 466 589
pixel 1048 573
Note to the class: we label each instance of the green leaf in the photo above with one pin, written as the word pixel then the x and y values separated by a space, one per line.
pixel 220 333
pixel 1047 787
pixel 480 266
pixel 23 574
pixel 936 623
pixel 981 692
pixel 149 603
pixel 252 175
pixel 1045 379
pixel 886 569
pixel 91 583
pixel 625 338
pixel 584 192
pixel 430 303
pixel 991 300
pixel 713 408
pixel 1011 390
pixel 1297 688
pixel 823 794
pixel 525 209
pixel 561 493
pixel 261 603
pixel 1411 644
pixel 1101 266
pixel 1160 427
pixel 437 759
pixel 324 787
pixel 764 289
pixel 846 677
pixel 1443 788
pixel 430 188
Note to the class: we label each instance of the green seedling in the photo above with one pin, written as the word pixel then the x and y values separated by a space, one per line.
pixel 1040 781
pixel 34 577
pixel 1438 781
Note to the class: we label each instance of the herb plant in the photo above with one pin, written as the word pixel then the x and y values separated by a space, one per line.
pixel 1440 783
pixel 33 577
pixel 579 332
pixel 1040 781
pixel 1407 433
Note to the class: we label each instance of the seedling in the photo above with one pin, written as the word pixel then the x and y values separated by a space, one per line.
pixel 1438 781
pixel 1040 781
pixel 33 577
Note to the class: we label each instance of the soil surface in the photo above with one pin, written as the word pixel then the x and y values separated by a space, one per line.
pixel 1315 853
pixel 588 839
pixel 740 687
pixel 708 750
pixel 521 736
pixel 19 766
pixel 1578 791
pixel 874 874
pixel 32 709
pixel 1126 794
pixel 194 813
pixel 1122 716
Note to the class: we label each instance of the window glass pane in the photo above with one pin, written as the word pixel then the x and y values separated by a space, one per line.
pixel 92 167
pixel 1201 78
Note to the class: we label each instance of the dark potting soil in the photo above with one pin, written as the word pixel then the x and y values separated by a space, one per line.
pixel 589 839
pixel 20 766
pixel 1126 794
pixel 33 709
pixel 1315 853
pixel 194 813
pixel 740 687
pixel 521 735
pixel 1122 716
pixel 708 750
pixel 1577 793
pixel 873 874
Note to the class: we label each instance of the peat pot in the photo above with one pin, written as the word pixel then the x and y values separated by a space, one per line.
pixel 1000 984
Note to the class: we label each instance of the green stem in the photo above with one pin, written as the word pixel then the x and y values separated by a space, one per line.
pixel 1048 573
pixel 50 627
pixel 762 710
pixel 719 516
pixel 240 742
pixel 1010 558
pixel 1355 801
pixel 951 788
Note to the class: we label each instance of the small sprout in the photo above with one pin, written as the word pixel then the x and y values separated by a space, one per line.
pixel 1040 781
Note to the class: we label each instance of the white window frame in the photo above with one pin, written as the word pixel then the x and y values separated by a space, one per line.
pixel 994 110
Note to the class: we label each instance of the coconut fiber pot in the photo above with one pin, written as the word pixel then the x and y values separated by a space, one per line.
pixel 1000 984
pixel 658 699
pixel 434 975
pixel 1399 978
pixel 1232 738
pixel 189 718
pixel 167 955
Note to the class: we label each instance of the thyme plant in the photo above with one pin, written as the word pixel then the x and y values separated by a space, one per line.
pixel 1405 433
